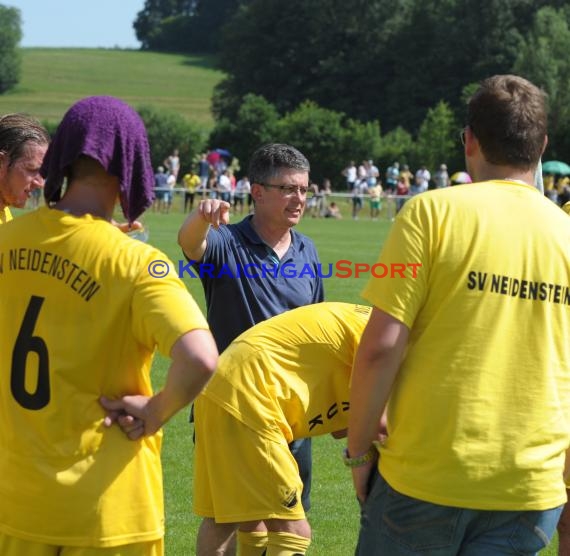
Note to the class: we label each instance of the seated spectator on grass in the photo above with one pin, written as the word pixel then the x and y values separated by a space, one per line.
pixel 332 211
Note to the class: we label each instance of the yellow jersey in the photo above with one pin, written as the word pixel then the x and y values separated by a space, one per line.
pixel 479 413
pixel 80 318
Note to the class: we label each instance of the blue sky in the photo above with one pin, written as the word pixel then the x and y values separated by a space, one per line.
pixel 78 23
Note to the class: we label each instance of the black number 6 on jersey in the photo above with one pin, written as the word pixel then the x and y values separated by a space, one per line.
pixel 26 343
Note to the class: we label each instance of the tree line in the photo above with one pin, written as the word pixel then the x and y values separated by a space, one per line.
pixel 372 78
pixel 353 79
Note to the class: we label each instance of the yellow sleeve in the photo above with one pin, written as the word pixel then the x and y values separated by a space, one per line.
pixel 163 309
pixel 399 282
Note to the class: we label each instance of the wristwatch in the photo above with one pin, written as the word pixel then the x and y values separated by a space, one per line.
pixel 360 460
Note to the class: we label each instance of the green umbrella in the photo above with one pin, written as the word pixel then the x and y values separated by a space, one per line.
pixel 555 167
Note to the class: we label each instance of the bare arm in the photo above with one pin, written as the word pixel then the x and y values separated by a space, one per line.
pixel 193 232
pixel 194 358
pixel 375 368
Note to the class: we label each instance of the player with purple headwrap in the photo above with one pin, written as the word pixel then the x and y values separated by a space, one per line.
pixel 83 321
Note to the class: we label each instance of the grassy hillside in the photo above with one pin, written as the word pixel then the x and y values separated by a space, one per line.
pixel 54 78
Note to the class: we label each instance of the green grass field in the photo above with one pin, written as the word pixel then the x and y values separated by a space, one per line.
pixel 54 78
pixel 334 516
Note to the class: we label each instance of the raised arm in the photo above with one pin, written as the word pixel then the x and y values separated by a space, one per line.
pixel 193 232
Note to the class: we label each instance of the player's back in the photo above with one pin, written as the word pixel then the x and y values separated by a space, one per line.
pixel 76 323
pixel 292 370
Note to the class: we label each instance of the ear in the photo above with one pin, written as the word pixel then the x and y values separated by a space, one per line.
pixel 544 146
pixel 257 192
pixel 4 163
pixel 471 142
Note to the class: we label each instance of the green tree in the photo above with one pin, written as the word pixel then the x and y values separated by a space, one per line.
pixel 168 131
pixel 437 138
pixel 255 124
pixel 396 145
pixel 544 60
pixel 10 37
pixel 183 25
pixel 385 60
pixel 148 21
pixel 327 138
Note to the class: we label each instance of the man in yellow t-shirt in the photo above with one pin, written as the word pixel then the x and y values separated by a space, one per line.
pixel 191 182
pixel 84 317
pixel 285 378
pixel 473 355
pixel 23 143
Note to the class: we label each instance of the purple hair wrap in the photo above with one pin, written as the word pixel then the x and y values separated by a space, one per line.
pixel 112 133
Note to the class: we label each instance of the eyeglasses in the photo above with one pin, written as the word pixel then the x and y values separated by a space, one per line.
pixel 288 190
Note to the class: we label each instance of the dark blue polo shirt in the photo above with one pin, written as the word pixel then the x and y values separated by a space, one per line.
pixel 245 282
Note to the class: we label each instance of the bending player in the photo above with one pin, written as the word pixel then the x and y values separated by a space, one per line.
pixel 285 378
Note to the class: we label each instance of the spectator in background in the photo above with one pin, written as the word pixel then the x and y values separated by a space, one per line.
pixel 372 173
pixel 279 177
pixel 392 176
pixel 172 164
pixel 406 178
pixel 169 193
pixel 448 348
pixel 441 177
pixel 224 186
pixel 313 200
pixel 241 193
pixel 160 189
pixel 563 188
pixel 374 198
pixel 358 192
pixel 93 317
pixel 204 170
pixel 325 191
pixel 351 174
pixel 421 181
pixel 402 190
pixel 191 181
pixel 362 172
pixel 549 189
pixel 23 143
pixel 332 211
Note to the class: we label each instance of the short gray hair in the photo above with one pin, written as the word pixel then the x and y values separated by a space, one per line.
pixel 267 161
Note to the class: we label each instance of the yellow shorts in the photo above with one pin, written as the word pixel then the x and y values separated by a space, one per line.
pixel 239 474
pixel 14 546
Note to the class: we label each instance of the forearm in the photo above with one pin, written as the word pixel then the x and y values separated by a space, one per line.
pixel 375 368
pixel 194 358
pixel 372 382
pixel 192 235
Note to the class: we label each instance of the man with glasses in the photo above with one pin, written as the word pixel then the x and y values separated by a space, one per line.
pixel 265 240
pixel 472 358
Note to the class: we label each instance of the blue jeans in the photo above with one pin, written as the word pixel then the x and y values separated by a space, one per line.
pixel 397 525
